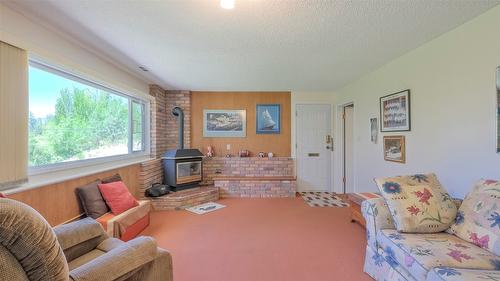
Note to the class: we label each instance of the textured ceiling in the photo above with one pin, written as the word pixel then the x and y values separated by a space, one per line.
pixel 302 45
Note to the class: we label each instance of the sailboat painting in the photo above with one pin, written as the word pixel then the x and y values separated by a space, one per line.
pixel 268 119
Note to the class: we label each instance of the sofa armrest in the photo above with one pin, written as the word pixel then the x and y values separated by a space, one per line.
pixel 118 262
pixel 77 232
pixel 79 237
pixel 115 226
pixel 378 217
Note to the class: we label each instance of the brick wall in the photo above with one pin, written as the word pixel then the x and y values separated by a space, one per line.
pixel 256 188
pixel 164 131
pixel 158 121
pixel 150 171
pixel 181 99
pixel 248 166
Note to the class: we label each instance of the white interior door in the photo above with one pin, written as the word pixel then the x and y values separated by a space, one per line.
pixel 348 148
pixel 314 154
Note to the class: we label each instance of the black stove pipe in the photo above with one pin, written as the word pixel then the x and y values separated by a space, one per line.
pixel 177 111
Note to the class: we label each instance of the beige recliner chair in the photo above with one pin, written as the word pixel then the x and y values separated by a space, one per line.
pixel 31 250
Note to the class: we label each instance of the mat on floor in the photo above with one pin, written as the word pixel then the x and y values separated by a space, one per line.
pixel 205 208
pixel 323 199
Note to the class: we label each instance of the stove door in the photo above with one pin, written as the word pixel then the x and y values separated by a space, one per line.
pixel 188 172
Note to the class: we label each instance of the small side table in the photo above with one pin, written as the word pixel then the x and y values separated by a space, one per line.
pixel 355 200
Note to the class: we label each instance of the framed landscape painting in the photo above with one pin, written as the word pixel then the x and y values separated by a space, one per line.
pixel 224 123
pixel 268 118
pixel 395 112
pixel 498 109
pixel 394 149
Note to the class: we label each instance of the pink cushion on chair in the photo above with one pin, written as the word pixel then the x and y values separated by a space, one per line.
pixel 117 197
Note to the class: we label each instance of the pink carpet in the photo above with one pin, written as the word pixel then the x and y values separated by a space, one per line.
pixel 262 239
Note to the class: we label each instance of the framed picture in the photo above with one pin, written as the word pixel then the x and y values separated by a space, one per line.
pixel 394 149
pixel 268 119
pixel 395 112
pixel 224 123
pixel 373 130
pixel 498 109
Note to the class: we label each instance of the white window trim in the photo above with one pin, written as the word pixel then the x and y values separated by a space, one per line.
pixel 54 177
pixel 99 161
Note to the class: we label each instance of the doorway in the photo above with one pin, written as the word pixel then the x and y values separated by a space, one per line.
pixel 348 148
pixel 314 147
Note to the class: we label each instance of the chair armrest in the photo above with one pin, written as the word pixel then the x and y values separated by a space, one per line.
pixel 378 217
pixel 77 232
pixel 118 262
pixel 116 225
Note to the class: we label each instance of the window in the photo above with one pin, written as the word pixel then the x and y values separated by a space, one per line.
pixel 72 119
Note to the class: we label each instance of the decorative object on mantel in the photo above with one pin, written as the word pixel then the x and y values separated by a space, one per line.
pixel 228 155
pixel 268 119
pixel 224 123
pixel 210 151
pixel 270 155
pixel 373 130
pixel 323 199
pixel 394 149
pixel 262 154
pixel 244 153
pixel 395 112
pixel 205 208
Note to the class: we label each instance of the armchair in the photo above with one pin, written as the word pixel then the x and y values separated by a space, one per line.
pixel 31 250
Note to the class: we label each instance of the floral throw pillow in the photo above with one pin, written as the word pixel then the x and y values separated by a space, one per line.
pixel 478 218
pixel 418 203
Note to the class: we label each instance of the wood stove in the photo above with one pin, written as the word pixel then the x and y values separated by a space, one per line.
pixel 182 168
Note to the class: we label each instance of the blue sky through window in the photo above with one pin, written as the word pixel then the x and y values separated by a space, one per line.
pixel 44 88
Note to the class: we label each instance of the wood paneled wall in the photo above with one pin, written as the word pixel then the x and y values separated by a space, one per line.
pixel 279 144
pixel 58 203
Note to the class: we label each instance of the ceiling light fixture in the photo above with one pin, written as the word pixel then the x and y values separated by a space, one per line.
pixel 227 4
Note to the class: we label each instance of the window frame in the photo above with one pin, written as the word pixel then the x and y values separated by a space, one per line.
pixel 144 102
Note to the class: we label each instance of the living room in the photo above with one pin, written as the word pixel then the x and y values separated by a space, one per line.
pixel 249 140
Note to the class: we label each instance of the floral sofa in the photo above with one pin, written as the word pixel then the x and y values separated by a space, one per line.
pixel 391 255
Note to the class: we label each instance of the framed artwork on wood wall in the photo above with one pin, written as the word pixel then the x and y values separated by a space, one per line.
pixel 224 123
pixel 268 119
pixel 395 112
pixel 395 149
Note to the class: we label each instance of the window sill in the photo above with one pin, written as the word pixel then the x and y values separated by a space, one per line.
pixel 48 178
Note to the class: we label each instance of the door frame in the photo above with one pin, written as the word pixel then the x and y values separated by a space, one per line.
pixel 296 146
pixel 339 157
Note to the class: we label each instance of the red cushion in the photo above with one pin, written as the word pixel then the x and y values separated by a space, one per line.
pixel 2 195
pixel 117 197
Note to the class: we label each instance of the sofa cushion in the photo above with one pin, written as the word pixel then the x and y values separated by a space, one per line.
pixel 478 219
pixel 83 259
pixel 460 274
pixel 117 197
pixel 113 178
pixel 418 203
pixel 419 253
pixel 92 202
